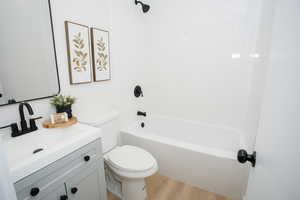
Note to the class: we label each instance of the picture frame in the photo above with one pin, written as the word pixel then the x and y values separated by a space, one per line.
pixel 79 55
pixel 101 55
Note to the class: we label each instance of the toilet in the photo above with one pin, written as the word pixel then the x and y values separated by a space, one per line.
pixel 126 167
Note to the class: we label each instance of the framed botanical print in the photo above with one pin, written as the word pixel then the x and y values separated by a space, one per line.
pixel 78 43
pixel 101 54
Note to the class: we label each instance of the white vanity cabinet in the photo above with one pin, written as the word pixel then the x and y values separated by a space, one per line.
pixel 77 176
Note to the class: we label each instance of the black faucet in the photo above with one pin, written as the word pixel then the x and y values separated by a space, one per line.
pixel 23 122
pixel 15 132
pixel 140 113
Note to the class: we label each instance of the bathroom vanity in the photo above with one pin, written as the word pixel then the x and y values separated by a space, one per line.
pixel 57 164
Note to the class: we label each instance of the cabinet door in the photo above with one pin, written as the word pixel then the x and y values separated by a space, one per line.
pixel 59 194
pixel 87 184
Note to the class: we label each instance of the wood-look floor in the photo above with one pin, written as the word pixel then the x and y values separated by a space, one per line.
pixel 163 188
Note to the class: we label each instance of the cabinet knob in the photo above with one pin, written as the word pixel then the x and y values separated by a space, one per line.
pixel 86 158
pixel 74 190
pixel 34 191
pixel 64 197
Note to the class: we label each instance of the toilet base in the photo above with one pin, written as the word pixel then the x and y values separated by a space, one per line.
pixel 134 189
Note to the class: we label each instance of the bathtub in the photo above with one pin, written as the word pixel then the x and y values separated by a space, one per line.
pixel 199 154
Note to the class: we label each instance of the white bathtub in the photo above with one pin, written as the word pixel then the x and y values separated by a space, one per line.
pixel 198 154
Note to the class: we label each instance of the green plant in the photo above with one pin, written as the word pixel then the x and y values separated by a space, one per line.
pixel 61 100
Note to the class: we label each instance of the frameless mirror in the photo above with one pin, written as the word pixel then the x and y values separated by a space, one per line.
pixel 28 68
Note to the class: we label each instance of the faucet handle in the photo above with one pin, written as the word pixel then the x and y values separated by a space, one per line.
pixel 14 129
pixel 32 123
pixel 7 126
pixel 36 118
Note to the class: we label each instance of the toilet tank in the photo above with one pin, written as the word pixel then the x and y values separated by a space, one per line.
pixel 110 126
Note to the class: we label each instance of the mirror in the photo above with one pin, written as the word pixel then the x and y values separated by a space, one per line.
pixel 28 68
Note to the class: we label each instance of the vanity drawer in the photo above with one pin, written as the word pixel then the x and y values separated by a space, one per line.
pixel 53 192
pixel 56 173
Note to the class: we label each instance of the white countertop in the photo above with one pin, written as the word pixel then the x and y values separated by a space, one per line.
pixel 56 143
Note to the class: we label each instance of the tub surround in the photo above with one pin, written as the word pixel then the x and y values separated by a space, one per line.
pixel 50 145
pixel 201 137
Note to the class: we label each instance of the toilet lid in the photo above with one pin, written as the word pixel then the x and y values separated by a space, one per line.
pixel 131 158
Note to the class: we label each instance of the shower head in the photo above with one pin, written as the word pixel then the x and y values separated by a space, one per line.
pixel 145 7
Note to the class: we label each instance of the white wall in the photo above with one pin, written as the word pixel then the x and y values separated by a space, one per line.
pixel 95 97
pixel 92 98
pixel 189 71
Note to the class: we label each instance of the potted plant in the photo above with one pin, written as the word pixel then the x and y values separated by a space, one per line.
pixel 63 104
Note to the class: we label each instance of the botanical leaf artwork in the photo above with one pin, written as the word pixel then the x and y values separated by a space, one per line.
pixel 81 57
pixel 101 61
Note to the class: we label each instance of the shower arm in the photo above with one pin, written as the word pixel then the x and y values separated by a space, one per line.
pixel 138 2
pixel 145 7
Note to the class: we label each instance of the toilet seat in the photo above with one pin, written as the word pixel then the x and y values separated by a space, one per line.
pixel 130 159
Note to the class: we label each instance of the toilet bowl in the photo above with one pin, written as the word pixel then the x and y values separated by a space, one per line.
pixel 126 166
pixel 131 165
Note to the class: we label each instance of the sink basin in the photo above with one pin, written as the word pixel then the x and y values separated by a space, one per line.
pixel 28 153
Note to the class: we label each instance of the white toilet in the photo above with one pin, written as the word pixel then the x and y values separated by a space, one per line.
pixel 126 166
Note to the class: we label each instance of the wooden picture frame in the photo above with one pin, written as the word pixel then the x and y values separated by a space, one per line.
pixel 101 54
pixel 79 55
